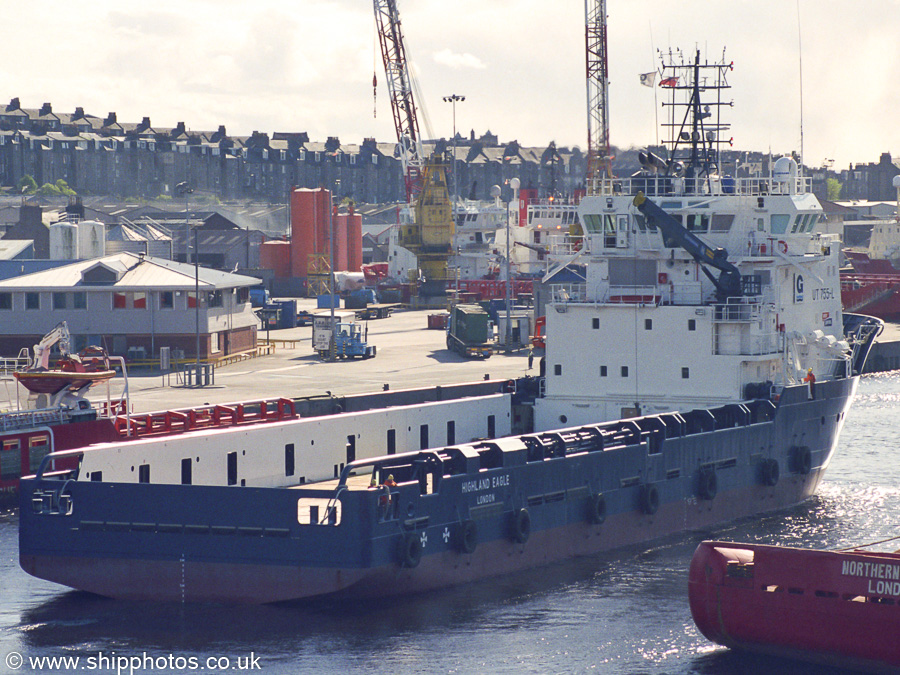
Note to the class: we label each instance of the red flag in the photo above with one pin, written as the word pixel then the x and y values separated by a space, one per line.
pixel 669 82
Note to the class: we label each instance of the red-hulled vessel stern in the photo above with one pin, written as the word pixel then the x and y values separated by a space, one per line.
pixel 835 608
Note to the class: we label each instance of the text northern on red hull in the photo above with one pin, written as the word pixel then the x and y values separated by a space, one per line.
pixel 837 608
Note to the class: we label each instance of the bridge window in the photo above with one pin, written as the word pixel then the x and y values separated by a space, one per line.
pixel 692 324
pixel 780 222
pixel 624 371
pixel 697 222
pixel 641 222
pixel 602 371
pixel 721 222
pixel 685 373
pixel 595 323
pixel 592 222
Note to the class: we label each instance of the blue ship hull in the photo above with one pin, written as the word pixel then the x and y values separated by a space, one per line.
pixel 458 514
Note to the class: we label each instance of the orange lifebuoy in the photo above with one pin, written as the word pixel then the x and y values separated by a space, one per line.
pixel 782 244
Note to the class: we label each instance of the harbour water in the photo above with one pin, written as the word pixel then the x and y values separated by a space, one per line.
pixel 621 612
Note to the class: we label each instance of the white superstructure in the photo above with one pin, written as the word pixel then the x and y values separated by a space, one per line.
pixel 650 331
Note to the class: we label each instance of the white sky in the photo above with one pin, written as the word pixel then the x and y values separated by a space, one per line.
pixel 307 65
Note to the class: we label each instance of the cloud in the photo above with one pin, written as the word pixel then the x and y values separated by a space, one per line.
pixel 448 58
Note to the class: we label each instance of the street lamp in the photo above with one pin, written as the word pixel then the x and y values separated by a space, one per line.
pixel 514 184
pixel 454 99
pixel 331 209
pixel 184 188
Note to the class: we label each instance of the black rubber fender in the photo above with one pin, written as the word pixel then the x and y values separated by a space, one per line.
pixel 467 537
pixel 649 499
pixel 770 472
pixel 521 526
pixel 597 508
pixel 801 458
pixel 410 550
pixel 709 483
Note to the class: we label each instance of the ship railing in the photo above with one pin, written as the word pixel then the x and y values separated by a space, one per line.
pixel 637 295
pixel 661 185
pixel 746 344
pixel 739 310
pixel 687 293
pixel 564 245
pixel 568 293
pixel 8 366
pixel 25 419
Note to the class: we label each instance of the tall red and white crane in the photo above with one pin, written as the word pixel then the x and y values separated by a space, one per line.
pixel 399 84
pixel 598 161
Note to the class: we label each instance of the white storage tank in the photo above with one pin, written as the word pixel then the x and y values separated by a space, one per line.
pixel 63 241
pixel 91 239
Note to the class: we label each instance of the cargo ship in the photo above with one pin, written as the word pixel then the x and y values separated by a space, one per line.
pixel 701 373
pixel 837 608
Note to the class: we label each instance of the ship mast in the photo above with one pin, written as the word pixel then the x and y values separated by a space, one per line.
pixel 695 129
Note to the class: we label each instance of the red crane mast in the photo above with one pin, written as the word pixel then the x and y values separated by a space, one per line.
pixel 399 83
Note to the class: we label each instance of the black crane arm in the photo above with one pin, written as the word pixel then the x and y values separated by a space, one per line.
pixel 728 283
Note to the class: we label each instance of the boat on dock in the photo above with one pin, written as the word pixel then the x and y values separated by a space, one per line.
pixel 701 373
pixel 837 608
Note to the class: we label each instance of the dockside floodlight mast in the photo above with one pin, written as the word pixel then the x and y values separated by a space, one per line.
pixel 399 84
pixel 598 160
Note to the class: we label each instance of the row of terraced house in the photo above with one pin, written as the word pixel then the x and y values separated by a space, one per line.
pixel 102 156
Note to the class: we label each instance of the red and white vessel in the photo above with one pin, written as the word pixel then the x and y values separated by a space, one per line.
pixel 839 608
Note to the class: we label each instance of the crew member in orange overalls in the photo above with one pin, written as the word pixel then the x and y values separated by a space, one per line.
pixel 811 380
pixel 386 486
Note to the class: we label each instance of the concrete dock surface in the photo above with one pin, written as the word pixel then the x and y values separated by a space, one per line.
pixel 409 355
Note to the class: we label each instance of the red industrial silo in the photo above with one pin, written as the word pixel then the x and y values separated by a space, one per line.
pixel 276 255
pixel 309 227
pixel 340 242
pixel 354 241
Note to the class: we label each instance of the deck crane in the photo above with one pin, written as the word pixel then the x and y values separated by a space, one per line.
pixel 598 161
pixel 430 236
